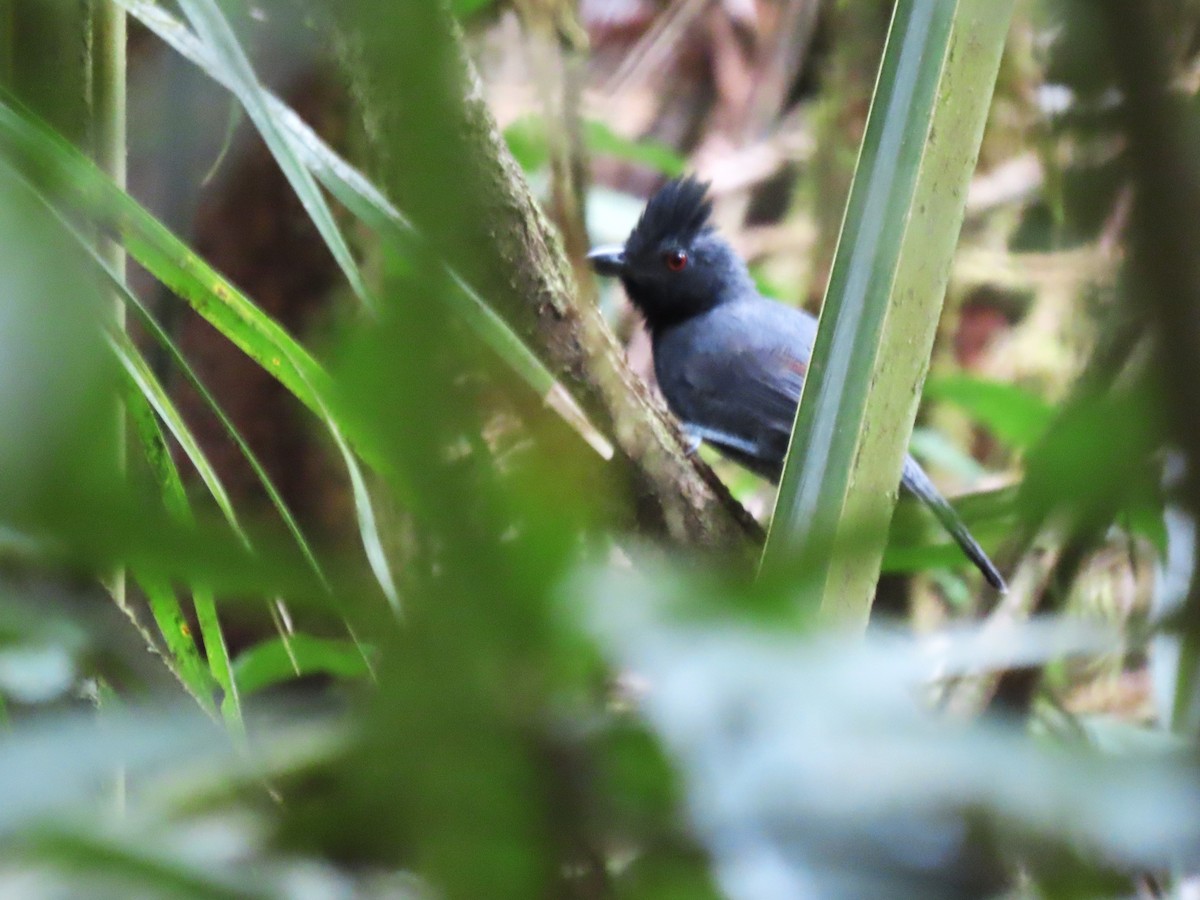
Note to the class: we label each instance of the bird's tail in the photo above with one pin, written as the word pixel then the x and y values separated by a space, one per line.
pixel 916 482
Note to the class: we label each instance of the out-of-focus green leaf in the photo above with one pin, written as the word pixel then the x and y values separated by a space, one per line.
pixel 281 659
pixel 885 293
pixel 771 797
pixel 1094 460
pixel 528 143
pixel 917 543
pixel 1013 414
pixel 127 863
pixel 1163 268
pixel 932 446
pixel 603 141
pixel 1086 195
pixel 58 435
pixel 463 9
pixel 526 140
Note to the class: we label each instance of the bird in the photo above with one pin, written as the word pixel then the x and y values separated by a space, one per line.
pixel 729 361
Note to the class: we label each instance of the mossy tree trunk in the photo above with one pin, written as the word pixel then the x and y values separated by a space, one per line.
pixel 438 131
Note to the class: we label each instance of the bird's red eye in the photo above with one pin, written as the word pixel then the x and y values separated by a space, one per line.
pixel 676 260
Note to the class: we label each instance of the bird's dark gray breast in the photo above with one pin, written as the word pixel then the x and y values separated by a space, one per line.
pixel 734 374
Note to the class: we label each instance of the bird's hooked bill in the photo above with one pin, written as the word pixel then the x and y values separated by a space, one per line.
pixel 608 259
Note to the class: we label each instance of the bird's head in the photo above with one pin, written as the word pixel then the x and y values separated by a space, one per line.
pixel 674 265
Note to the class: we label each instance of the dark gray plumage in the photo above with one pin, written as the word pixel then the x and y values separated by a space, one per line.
pixel 731 362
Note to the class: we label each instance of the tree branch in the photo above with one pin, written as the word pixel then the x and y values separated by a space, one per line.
pixel 513 257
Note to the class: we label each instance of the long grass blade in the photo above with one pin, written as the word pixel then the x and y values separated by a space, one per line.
pixel 368 526
pixel 219 661
pixel 214 30
pixel 206 612
pixel 164 605
pixel 184 655
pixel 149 387
pixel 39 155
pixel 182 365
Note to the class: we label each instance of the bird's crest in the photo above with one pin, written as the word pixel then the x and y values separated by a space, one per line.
pixel 679 211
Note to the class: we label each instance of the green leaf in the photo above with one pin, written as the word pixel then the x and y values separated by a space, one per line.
pixel 160 595
pixel 213 29
pixel 1095 465
pixel 281 659
pixel 365 201
pixel 364 509
pixel 40 155
pixel 916 543
pixel 164 606
pixel 176 499
pixel 202 599
pixel 37 154
pixel 527 141
pixel 219 662
pixel 1013 414
pixel 885 293
pixel 185 368
pixel 931 446
pixel 117 859
pixel 603 141
pixel 148 386
pixel 464 9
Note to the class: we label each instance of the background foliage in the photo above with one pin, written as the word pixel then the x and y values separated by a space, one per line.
pixel 342 557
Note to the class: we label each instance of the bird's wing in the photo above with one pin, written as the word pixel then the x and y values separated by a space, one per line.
pixel 733 376
pixel 749 396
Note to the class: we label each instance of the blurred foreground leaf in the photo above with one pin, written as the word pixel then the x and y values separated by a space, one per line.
pixel 813 769
pixel 285 658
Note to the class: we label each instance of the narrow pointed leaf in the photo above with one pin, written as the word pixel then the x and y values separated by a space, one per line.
pixel 884 298
pixel 368 526
pixel 147 384
pixel 354 191
pixel 219 662
pixel 151 324
pixel 40 155
pixel 214 30
pixel 164 603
